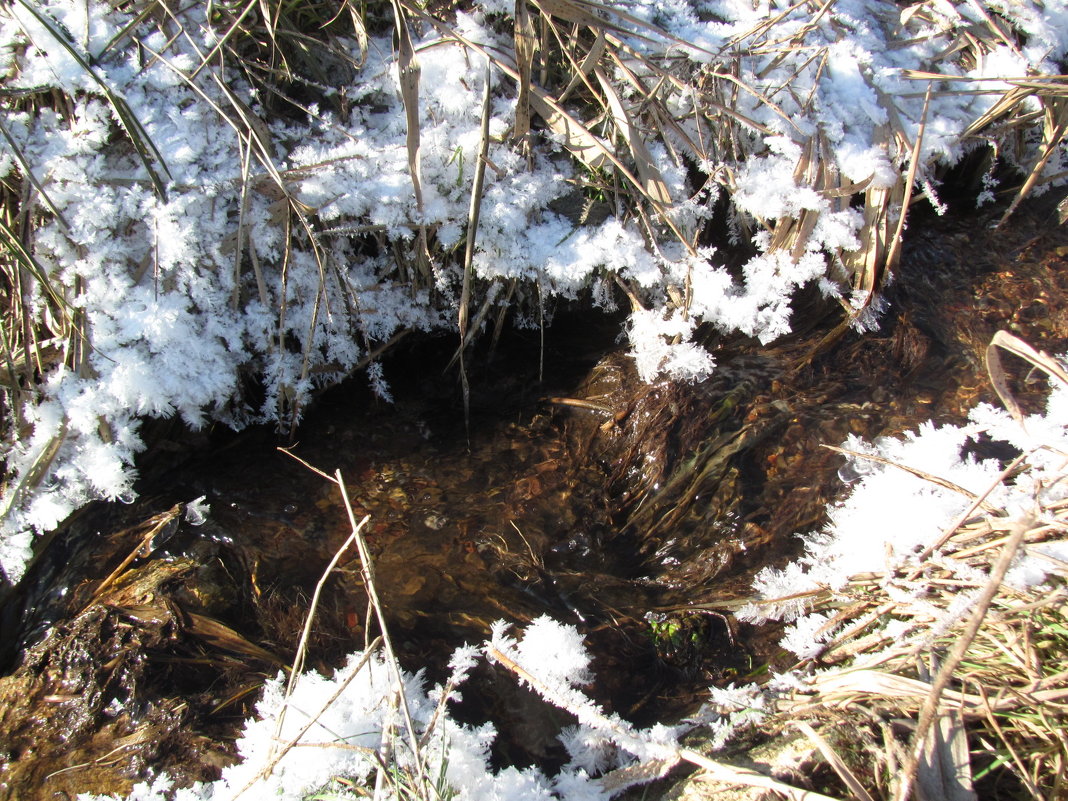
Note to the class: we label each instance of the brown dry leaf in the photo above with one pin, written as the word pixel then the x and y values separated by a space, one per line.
pixel 525 44
pixel 641 773
pixel 806 223
pixel 409 70
pixel 894 245
pixel 652 183
pixel 582 74
pixel 577 138
pixel 1017 347
pixel 792 233
pixel 944 772
pixel 571 12
pixel 909 12
pixel 846 684
pixel 159 527
pixel 737 774
pixel 360 30
pixel 884 215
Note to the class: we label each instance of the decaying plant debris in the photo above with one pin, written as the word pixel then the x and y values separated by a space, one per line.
pixel 111 690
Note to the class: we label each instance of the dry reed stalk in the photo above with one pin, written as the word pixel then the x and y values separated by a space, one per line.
pixel 1054 128
pixel 425 788
pixel 910 182
pixel 302 646
pixel 367 571
pixel 941 482
pixel 835 761
pixel 276 756
pixel 28 173
pixel 16 492
pixel 960 520
pixel 469 247
pixel 964 639
pixel 409 72
pixel 526 44
pixel 242 215
pixel 253 133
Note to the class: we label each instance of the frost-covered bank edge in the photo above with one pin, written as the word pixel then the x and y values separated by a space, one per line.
pixel 345 737
pixel 185 230
pixel 356 717
pixel 936 596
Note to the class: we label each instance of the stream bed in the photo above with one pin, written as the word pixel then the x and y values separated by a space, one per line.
pixel 639 513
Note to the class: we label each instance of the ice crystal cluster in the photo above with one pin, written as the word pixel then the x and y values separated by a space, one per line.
pixel 336 727
pixel 895 511
pixel 201 241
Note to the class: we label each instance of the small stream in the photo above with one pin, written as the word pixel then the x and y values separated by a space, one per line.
pixel 637 513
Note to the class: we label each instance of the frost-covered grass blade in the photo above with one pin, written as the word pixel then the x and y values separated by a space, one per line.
pixel 146 150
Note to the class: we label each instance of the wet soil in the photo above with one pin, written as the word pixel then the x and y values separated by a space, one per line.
pixel 637 512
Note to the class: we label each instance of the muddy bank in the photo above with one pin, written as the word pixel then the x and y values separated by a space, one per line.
pixel 636 512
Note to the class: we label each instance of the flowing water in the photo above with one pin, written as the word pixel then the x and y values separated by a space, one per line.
pixel 637 513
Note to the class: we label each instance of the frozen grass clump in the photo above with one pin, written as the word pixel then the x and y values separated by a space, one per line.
pixel 936 595
pixel 900 507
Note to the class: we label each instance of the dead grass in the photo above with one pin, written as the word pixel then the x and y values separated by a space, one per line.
pixel 960 693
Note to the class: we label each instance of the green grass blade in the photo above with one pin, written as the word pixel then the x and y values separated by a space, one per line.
pixel 10 242
pixel 21 157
